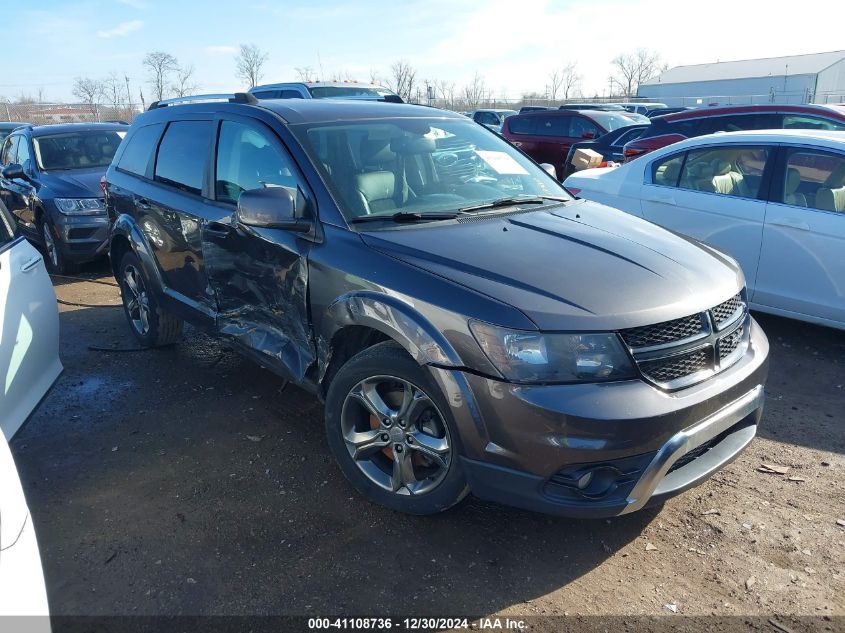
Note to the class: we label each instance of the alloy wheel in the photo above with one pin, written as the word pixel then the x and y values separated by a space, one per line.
pixel 136 300
pixel 396 435
pixel 50 245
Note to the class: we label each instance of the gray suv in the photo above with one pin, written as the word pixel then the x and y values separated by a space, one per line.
pixel 469 325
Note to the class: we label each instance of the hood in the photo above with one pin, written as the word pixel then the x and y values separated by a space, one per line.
pixel 582 266
pixel 75 183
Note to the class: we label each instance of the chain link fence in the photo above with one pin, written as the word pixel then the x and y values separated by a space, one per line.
pixel 45 113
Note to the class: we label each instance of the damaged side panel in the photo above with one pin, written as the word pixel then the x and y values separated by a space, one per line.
pixel 260 278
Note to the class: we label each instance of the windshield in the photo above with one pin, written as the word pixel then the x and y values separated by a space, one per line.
pixel 335 92
pixel 77 150
pixel 420 166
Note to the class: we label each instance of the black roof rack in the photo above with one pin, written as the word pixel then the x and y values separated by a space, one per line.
pixel 238 97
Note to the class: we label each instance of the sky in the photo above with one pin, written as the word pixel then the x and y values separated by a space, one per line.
pixel 513 44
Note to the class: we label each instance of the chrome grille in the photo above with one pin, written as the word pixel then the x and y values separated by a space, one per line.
pixel 729 343
pixel 725 312
pixel 668 369
pixel 666 332
pixel 681 352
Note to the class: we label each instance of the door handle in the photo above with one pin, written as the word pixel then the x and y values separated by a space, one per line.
pixel 792 224
pixel 517 143
pixel 142 203
pixel 30 265
pixel 217 229
pixel 663 200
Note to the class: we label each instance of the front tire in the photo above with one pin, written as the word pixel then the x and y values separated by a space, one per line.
pixel 392 434
pixel 53 257
pixel 152 326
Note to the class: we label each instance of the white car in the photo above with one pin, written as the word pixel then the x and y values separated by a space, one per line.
pixel 29 364
pixel 774 200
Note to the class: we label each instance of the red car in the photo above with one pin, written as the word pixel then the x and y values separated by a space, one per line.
pixel 671 128
pixel 547 136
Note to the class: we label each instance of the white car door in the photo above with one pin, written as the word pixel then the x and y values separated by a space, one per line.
pixel 29 329
pixel 712 194
pixel 802 263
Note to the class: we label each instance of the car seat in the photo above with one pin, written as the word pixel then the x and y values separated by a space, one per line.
pixel 728 181
pixel 790 189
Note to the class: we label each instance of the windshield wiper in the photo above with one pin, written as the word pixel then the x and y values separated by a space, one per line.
pixel 404 216
pixel 509 202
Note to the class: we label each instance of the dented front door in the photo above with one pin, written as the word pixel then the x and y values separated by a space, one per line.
pixel 259 276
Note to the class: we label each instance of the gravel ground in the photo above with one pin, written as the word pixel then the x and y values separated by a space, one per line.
pixel 189 481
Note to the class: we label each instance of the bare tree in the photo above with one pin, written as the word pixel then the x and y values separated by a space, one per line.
pixel 159 65
pixel 250 64
pixel 555 79
pixel 475 91
pixel 570 79
pixel 445 90
pixel 113 89
pixel 306 73
pixel 402 78
pixel 632 69
pixel 340 75
pixel 90 91
pixel 374 77
pixel 185 84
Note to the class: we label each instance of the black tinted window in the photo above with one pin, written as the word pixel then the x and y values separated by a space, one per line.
pixel 556 126
pixel 140 150
pixel 266 94
pixel 246 159
pixel 522 125
pixel 290 94
pixel 583 128
pixel 182 155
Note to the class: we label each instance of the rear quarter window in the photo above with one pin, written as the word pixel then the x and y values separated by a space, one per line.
pixel 140 149
pixel 522 125
pixel 182 155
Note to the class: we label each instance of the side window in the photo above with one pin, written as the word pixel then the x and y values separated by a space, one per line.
pixel 23 157
pixel 815 180
pixel 141 148
pixel 666 171
pixel 182 155
pixel 266 94
pixel 627 137
pixel 801 122
pixel 554 126
pixel 290 94
pixel 522 125
pixel 246 159
pixel 731 171
pixel 581 126
pixel 10 148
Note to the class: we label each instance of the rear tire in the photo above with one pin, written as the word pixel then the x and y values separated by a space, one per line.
pixel 407 458
pixel 152 326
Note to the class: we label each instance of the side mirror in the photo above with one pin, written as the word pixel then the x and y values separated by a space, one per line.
pixel 588 134
pixel 13 171
pixel 270 208
pixel 549 169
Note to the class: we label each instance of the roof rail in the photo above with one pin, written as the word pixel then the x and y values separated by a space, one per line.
pixel 238 97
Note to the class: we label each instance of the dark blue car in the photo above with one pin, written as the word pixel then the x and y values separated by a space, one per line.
pixel 50 183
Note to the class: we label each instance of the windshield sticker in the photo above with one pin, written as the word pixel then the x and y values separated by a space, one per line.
pixel 502 163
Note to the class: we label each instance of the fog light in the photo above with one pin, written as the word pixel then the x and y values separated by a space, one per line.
pixel 585 480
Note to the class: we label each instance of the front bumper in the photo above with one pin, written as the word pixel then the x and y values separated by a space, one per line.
pixel 530 446
pixel 82 238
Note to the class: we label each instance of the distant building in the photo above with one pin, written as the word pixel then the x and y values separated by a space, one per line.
pixel 814 78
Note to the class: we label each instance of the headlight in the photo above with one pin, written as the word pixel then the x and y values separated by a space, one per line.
pixel 537 357
pixel 81 206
